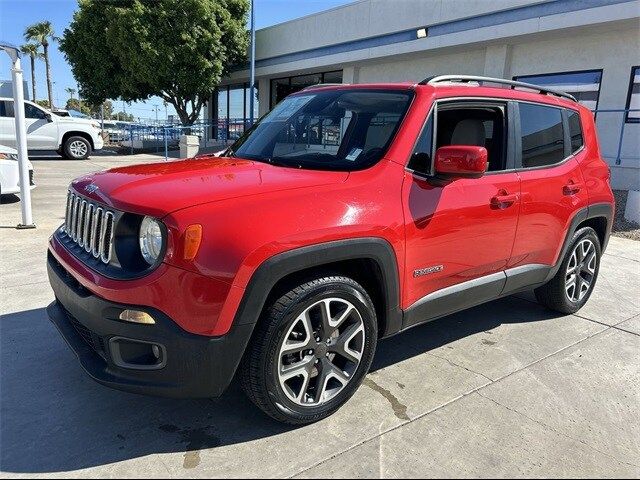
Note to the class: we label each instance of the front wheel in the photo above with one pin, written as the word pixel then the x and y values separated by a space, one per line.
pixel 311 350
pixel 76 148
pixel 572 286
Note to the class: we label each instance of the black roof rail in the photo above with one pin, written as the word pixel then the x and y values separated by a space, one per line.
pixel 501 81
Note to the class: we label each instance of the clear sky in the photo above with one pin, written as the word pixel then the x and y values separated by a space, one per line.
pixel 16 15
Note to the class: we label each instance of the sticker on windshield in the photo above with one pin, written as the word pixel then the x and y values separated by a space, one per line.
pixel 353 154
pixel 288 108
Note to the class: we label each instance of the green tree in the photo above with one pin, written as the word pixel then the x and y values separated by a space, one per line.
pixel 41 33
pixel 125 117
pixel 77 105
pixel 33 50
pixel 43 103
pixel 135 49
pixel 70 91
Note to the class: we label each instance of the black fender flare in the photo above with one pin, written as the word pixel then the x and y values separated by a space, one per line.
pixel 596 210
pixel 279 266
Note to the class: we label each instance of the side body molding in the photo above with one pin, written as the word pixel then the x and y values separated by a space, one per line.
pixel 279 266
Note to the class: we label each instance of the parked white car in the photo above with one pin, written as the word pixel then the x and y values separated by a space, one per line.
pixel 10 173
pixel 73 138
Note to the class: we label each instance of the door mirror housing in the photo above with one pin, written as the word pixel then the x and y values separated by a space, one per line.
pixel 461 161
pixel 48 117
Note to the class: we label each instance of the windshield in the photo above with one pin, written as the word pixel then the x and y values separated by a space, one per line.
pixel 346 129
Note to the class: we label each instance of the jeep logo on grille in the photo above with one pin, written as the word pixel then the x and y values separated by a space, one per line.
pixel 91 188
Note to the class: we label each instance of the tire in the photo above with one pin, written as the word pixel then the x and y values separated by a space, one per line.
pixel 297 400
pixel 568 295
pixel 76 148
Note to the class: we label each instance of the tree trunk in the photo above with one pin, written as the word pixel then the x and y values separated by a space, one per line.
pixel 33 77
pixel 180 105
pixel 46 61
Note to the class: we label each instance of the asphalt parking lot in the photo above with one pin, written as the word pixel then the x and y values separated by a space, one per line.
pixel 504 389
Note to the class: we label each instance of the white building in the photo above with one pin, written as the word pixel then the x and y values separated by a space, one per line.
pixel 590 48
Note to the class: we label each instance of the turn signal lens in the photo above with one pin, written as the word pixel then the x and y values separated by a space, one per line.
pixel 136 316
pixel 192 239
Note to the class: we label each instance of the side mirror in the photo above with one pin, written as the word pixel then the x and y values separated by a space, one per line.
pixel 48 117
pixel 461 161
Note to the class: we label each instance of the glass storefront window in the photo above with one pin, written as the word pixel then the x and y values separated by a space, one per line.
pixel 222 113
pixel 282 87
pixel 236 111
pixel 332 77
pixel 256 108
pixel 232 111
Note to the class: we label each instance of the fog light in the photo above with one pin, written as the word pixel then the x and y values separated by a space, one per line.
pixel 136 316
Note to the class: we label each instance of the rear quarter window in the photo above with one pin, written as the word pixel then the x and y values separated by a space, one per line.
pixel 575 130
pixel 542 135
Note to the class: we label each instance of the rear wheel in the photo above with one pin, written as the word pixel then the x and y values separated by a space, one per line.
pixel 311 350
pixel 76 148
pixel 572 286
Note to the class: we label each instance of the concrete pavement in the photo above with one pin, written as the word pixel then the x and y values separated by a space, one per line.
pixel 504 389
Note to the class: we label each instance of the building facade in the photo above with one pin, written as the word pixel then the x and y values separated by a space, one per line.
pixel 590 48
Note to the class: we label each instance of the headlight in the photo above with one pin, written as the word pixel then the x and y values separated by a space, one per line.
pixel 95 125
pixel 150 238
pixel 8 156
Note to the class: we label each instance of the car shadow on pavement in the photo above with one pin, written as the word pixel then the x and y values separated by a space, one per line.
pixel 54 418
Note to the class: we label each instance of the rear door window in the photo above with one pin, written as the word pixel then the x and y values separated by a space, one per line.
pixel 542 135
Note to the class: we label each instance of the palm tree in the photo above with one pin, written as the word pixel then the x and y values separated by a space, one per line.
pixel 70 91
pixel 41 33
pixel 33 50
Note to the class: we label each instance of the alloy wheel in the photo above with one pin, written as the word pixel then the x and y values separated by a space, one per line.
pixel 321 351
pixel 581 270
pixel 78 148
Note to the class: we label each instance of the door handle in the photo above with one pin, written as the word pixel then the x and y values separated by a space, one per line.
pixel 504 199
pixel 571 188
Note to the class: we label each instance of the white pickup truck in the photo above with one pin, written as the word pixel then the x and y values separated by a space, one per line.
pixel 73 138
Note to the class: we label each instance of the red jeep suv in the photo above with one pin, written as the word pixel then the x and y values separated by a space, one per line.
pixel 347 214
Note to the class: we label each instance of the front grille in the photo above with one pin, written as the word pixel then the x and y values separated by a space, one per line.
pixel 90 226
pixel 31 181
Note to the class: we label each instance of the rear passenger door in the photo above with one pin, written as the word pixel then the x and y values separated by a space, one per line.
pixel 552 187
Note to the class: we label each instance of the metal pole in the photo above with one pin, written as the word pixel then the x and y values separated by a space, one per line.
pixel 166 144
pixel 619 154
pixel 252 68
pixel 102 116
pixel 21 140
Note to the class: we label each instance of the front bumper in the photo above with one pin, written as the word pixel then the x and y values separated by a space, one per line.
pixel 193 366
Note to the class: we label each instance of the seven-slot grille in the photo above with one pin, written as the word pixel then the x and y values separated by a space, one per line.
pixel 90 226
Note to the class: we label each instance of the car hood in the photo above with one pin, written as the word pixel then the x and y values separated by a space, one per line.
pixel 76 121
pixel 161 188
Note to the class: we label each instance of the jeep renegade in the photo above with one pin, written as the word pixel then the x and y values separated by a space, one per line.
pixel 347 214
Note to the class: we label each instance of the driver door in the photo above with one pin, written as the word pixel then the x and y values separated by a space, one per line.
pixel 459 231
